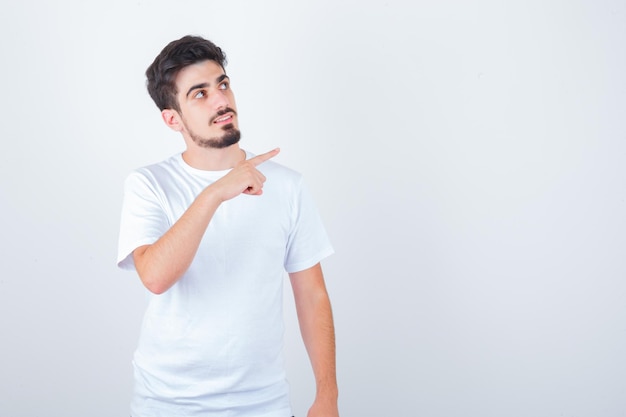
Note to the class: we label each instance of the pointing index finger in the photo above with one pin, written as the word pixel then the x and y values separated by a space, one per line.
pixel 259 159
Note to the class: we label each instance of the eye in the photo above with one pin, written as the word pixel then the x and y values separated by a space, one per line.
pixel 200 94
pixel 224 85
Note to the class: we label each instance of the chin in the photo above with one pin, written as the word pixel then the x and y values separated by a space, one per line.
pixel 230 136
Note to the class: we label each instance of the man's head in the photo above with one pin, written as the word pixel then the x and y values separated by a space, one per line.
pixel 187 81
pixel 178 54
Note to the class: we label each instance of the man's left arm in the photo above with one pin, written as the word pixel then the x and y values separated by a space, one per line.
pixel 318 332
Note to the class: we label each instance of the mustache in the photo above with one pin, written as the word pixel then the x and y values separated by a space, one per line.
pixel 221 113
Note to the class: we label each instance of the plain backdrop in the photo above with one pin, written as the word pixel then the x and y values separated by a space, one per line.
pixel 468 159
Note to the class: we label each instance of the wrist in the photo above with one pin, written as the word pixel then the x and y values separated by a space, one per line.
pixel 327 393
pixel 211 196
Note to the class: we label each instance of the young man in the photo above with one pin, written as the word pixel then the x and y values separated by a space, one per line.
pixel 211 233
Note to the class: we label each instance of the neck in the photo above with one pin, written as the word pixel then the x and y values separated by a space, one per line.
pixel 211 159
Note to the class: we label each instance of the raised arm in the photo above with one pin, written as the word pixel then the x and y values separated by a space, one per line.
pixel 318 332
pixel 161 264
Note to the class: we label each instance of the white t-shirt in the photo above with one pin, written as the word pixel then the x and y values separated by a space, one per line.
pixel 212 345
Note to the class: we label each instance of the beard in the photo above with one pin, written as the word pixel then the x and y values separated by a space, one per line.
pixel 230 137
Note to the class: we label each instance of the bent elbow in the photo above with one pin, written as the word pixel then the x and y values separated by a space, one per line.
pixel 155 288
pixel 154 284
pixel 152 277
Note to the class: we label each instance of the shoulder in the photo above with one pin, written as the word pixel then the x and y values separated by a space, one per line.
pixel 154 174
pixel 281 178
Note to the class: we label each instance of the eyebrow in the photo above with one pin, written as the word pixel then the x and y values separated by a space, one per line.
pixel 205 85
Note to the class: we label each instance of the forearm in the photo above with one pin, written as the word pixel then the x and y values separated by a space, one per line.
pixel 318 332
pixel 161 264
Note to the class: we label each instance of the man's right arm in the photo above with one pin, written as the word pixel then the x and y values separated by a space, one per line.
pixel 161 264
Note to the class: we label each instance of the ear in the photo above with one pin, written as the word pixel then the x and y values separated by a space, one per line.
pixel 172 119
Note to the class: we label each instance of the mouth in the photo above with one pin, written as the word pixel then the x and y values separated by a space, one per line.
pixel 224 116
pixel 227 118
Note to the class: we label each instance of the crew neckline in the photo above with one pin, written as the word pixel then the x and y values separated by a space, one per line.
pixel 210 175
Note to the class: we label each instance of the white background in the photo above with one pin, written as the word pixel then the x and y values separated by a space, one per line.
pixel 467 158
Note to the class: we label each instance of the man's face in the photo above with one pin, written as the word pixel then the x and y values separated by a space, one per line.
pixel 207 105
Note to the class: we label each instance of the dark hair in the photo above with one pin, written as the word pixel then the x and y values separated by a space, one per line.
pixel 161 74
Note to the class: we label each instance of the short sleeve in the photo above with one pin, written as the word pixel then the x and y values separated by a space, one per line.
pixel 308 241
pixel 143 219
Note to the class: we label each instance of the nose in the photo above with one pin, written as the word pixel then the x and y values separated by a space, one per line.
pixel 220 100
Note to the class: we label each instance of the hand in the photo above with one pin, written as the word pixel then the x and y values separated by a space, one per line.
pixel 244 178
pixel 323 409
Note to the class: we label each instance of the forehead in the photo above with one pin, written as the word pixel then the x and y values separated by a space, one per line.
pixel 198 73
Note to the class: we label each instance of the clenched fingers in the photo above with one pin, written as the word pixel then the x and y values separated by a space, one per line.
pixel 256 182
